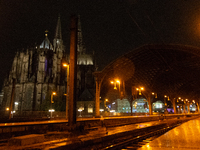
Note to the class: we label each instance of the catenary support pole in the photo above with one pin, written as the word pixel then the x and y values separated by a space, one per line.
pixel 67 93
pixel 150 104
pixel 73 71
pixel 174 105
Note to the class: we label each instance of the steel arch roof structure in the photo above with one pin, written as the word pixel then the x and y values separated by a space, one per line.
pixel 164 69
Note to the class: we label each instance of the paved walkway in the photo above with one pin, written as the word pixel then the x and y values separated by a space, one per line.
pixel 183 137
pixel 55 141
pixel 96 135
pixel 63 120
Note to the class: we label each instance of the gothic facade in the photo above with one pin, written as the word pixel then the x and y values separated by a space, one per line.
pixel 38 71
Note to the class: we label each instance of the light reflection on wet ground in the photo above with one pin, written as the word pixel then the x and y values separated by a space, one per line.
pixel 183 137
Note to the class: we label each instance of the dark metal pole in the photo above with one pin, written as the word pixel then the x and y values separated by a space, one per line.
pixel 73 71
pixel 67 92
pixel 12 99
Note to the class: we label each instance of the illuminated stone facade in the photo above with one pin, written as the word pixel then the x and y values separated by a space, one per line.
pixel 38 71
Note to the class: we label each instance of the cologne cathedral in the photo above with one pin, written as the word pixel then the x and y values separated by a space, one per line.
pixel 38 71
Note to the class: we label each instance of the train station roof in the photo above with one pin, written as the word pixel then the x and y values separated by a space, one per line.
pixel 165 69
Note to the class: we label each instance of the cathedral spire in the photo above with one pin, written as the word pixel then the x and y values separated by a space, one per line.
pixel 58 42
pixel 58 34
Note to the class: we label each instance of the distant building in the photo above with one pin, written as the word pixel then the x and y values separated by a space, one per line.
pixel 123 106
pixel 38 71
pixel 158 106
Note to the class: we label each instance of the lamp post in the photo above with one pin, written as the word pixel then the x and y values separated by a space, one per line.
pixel 52 110
pixel 67 88
pixel 115 83
pixel 165 103
pixel 140 90
pixel 106 100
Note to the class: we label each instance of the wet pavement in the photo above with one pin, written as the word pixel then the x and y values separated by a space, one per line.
pixel 73 140
pixel 184 137
pixel 56 139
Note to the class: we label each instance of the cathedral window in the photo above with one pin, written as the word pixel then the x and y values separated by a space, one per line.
pixel 90 109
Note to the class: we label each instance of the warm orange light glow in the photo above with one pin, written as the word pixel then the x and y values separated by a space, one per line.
pixel 106 100
pixel 165 96
pixel 137 89
pixel 54 93
pixel 65 65
pixel 142 88
pixel 117 81
pixel 7 108
pixel 152 93
pixel 179 98
pixel 111 82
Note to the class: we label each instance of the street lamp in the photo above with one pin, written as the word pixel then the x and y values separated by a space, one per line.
pixel 80 110
pixel 66 65
pixel 12 112
pixel 115 83
pixel 52 110
pixel 140 90
pixel 154 94
pixel 165 96
pixel 106 100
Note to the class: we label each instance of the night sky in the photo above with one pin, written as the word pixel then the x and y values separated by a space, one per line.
pixel 110 27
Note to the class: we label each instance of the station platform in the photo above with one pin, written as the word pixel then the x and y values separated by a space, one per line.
pixel 67 140
pixel 183 137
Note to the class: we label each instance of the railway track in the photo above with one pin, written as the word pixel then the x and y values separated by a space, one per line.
pixel 138 141
pixel 134 141
pixel 114 138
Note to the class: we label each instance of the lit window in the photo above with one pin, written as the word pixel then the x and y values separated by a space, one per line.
pixel 90 110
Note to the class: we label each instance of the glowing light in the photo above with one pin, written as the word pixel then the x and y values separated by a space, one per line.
pixel 51 110
pixel 54 93
pixel 148 145
pixel 65 65
pixel 12 112
pixel 117 81
pixel 7 108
